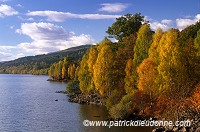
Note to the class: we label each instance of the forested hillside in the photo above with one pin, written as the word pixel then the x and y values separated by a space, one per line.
pixel 40 64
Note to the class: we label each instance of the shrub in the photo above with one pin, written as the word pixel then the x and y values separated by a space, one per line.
pixel 123 109
pixel 113 99
pixel 73 87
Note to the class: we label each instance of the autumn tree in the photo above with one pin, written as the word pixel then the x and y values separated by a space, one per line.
pixel 103 70
pixel 153 50
pixel 146 72
pixel 51 71
pixel 189 44
pixel 72 71
pixel 197 43
pixel 124 52
pixel 143 41
pixel 155 60
pixel 121 52
pixel 92 57
pixel 64 68
pixel 188 33
pixel 59 70
pixel 127 46
pixel 142 45
pixel 84 76
pixel 171 66
pixel 76 73
pixel 64 71
pixel 130 85
pixel 148 78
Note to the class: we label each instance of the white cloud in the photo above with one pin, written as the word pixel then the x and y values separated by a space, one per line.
pixel 113 7
pixel 62 16
pixel 164 24
pixel 197 17
pixel 6 10
pixel 179 23
pixel 44 31
pixel 7 48
pixel 166 21
pixel 9 53
pixel 46 37
pixel 184 22
pixel 25 19
pixel 19 5
pixel 5 56
pixel 156 25
pixel 46 46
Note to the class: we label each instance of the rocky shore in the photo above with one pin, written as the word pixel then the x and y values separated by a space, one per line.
pixel 90 98
pixel 96 99
pixel 54 80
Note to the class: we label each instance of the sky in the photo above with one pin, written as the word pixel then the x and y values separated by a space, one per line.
pixel 30 27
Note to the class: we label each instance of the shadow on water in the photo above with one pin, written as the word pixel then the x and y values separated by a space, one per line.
pixel 99 113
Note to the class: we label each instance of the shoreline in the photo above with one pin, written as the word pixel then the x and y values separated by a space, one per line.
pixel 82 98
pixel 53 80
pixel 95 99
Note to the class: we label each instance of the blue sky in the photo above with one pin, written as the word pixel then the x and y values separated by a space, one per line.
pixel 30 27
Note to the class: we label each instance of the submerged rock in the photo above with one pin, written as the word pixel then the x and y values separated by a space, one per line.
pixel 64 92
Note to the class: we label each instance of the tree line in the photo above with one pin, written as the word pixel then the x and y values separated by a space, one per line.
pixel 64 70
pixel 145 72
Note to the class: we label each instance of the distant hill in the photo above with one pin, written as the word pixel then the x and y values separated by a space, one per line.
pixel 40 64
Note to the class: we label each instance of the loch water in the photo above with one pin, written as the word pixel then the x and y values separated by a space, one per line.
pixel 29 103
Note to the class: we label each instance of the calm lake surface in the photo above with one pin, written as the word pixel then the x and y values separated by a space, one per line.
pixel 27 104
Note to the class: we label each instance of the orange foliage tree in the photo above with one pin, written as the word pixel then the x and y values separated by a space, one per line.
pixel 146 72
